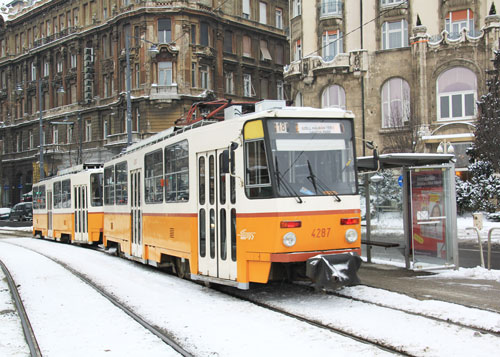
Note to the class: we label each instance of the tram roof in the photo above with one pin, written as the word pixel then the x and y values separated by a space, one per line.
pixel 398 160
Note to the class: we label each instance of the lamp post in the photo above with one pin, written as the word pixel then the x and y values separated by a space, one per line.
pixel 153 50
pixel 42 173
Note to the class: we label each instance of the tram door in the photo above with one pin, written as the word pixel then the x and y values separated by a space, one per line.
pixel 50 232
pixel 135 201
pixel 81 213
pixel 216 218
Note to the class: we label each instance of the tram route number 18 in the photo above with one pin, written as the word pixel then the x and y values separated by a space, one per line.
pixel 321 232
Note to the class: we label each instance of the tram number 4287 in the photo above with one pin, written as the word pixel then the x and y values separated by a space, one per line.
pixel 321 232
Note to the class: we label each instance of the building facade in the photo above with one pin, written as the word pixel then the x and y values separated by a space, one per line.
pixel 63 66
pixel 411 71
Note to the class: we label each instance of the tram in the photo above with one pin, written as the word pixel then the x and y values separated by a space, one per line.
pixel 253 198
pixel 68 207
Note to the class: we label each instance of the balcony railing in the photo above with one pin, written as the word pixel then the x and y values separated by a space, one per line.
pixel 164 92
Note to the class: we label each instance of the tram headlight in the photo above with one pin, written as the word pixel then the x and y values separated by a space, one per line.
pixel 289 239
pixel 351 235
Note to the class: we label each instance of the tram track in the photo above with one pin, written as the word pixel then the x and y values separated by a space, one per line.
pixel 29 335
pixel 344 332
pixel 158 332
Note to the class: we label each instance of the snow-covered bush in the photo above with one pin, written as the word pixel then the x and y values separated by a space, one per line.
pixel 481 192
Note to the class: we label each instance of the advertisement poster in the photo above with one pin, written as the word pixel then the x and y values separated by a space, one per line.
pixel 428 228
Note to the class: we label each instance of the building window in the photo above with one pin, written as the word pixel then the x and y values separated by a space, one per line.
pixel 390 2
pixel 69 134
pixel 264 88
pixel 193 75
pixel 31 141
pixel 332 44
pixel 137 76
pixel 204 34
pixel 18 143
pixel 279 54
pixel 228 41
pixel 297 7
pixel 59 64
pixel 247 85
pixel 265 55
pixel 73 60
pixel 165 73
pixel 297 51
pixel 247 46
pixel 246 9
pixel 33 72
pixel 88 130
pixel 333 97
pixel 279 18
pixel 299 101
pixel 55 135
pixel 395 103
pixel 205 77
pixel 105 129
pixel 164 31
pixel 456 90
pixel 280 93
pixel 229 79
pixel 456 21
pixel 46 68
pixel 394 34
pixel 331 7
pixel 263 12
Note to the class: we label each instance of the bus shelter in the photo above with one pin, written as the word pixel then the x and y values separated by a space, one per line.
pixel 429 236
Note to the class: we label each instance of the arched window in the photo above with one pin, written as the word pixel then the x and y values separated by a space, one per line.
pixel 395 103
pixel 333 97
pixel 456 92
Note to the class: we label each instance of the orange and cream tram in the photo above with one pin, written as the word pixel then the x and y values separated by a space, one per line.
pixel 68 207
pixel 249 199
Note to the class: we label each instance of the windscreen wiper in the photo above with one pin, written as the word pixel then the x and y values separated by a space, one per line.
pixel 280 179
pixel 316 182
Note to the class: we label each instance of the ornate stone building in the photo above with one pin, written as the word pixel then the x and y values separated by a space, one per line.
pixel 411 71
pixel 63 69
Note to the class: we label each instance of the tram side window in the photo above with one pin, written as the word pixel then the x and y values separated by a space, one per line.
pixel 258 183
pixel 153 181
pixel 121 183
pixel 177 172
pixel 57 194
pixel 66 194
pixel 39 197
pixel 109 185
pixel 96 189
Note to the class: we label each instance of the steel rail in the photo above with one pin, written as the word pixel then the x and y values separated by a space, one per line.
pixel 153 329
pixel 25 322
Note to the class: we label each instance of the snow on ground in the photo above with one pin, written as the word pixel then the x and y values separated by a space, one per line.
pixel 206 322
pixel 71 319
pixel 210 323
pixel 12 338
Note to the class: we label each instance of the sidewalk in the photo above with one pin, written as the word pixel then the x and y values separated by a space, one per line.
pixel 477 293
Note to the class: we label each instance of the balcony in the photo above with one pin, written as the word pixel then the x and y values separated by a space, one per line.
pixel 121 139
pixel 164 92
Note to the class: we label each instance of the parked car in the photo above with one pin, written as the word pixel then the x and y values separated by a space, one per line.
pixel 5 213
pixel 22 212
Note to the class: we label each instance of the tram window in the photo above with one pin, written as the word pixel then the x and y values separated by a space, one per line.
pixel 233 235
pixel 66 194
pixel 201 179
pixel 153 180
pixel 121 183
pixel 232 184
pixel 211 179
pixel 96 189
pixel 109 185
pixel 223 235
pixel 177 172
pixel 57 194
pixel 203 233
pixel 222 182
pixel 212 233
pixel 258 183
pixel 39 197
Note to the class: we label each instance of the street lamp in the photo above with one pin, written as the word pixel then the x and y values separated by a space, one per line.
pixel 152 50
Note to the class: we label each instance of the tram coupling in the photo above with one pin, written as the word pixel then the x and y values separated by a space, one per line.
pixel 333 271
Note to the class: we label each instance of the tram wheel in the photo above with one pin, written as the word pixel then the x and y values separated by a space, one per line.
pixel 182 268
